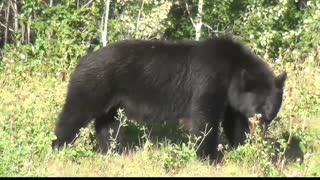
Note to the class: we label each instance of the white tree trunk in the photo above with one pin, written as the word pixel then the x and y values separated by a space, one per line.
pixel 197 24
pixel 104 32
pixel 7 14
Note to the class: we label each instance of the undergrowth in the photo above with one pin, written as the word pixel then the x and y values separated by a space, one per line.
pixel 29 107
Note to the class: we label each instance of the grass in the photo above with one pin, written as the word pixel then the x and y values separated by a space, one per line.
pixel 29 107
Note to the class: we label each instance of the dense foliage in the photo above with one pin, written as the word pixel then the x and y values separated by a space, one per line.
pixel 41 41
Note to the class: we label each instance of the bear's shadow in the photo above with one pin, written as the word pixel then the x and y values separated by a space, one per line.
pixel 293 151
pixel 134 136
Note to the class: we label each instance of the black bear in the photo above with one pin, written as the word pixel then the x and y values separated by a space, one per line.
pixel 155 81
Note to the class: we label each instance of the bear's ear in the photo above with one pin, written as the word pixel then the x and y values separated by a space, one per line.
pixel 280 80
pixel 246 80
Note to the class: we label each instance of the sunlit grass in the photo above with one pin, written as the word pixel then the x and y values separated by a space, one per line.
pixel 29 107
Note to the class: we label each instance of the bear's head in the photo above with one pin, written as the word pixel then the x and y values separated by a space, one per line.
pixel 257 93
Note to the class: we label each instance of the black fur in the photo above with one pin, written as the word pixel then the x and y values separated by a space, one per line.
pixel 163 81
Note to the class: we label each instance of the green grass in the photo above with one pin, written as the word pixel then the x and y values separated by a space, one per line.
pixel 29 107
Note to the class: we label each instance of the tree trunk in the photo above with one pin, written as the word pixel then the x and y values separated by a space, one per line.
pixel 198 24
pixel 104 32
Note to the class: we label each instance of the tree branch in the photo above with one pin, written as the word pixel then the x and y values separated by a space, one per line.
pixel 187 7
pixel 138 18
pixel 88 3
pixel 1 24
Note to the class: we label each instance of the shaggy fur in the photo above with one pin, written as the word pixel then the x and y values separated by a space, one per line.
pixel 153 81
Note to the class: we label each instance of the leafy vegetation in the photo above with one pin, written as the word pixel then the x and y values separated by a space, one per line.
pixel 41 42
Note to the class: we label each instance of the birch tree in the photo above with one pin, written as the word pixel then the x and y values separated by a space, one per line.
pixel 104 24
pixel 197 23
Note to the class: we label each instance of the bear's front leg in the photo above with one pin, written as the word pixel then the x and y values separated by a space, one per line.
pixel 206 112
pixel 235 126
pixel 103 124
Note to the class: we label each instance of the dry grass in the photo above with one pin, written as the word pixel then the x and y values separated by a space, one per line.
pixel 29 107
